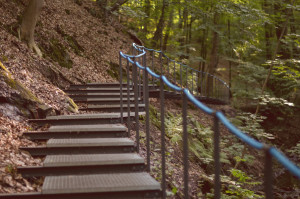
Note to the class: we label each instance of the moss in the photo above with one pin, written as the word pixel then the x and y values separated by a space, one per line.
pixel 114 71
pixel 68 11
pixel 72 103
pixel 16 85
pixel 57 52
pixel 78 2
pixel 74 45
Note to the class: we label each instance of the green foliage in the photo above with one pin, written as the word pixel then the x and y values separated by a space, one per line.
pixel 240 188
pixel 251 124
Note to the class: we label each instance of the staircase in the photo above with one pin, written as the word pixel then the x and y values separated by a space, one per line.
pixel 90 155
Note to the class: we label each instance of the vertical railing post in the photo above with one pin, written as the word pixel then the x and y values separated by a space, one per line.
pixel 192 82
pixel 186 78
pixel 161 63
pixel 163 146
pixel 128 99
pixel 181 76
pixel 217 180
pixel 174 71
pixel 121 88
pixel 168 72
pixel 152 68
pixel 146 85
pixel 144 77
pixel 136 104
pixel 268 176
pixel 185 146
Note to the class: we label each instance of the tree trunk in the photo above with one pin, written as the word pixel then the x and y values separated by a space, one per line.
pixel 268 31
pixel 29 21
pixel 214 58
pixel 169 26
pixel 157 38
pixel 147 12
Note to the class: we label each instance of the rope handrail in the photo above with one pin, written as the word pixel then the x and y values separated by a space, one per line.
pixel 184 65
pixel 219 116
pixel 242 136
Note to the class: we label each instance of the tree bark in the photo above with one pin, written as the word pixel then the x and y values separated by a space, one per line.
pixel 147 12
pixel 30 18
pixel 169 27
pixel 157 38
pixel 214 57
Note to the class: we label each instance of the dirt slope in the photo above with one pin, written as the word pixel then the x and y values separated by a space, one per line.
pixel 77 47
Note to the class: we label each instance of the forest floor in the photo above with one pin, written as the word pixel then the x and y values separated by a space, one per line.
pixel 78 47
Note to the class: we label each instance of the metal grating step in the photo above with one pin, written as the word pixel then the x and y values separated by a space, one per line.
pixel 88 128
pixel 84 119
pixel 113 107
pixel 89 142
pixel 90 116
pixel 100 183
pixel 93 159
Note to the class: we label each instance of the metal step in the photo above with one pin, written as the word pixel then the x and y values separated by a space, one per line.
pixel 96 85
pixel 101 95
pixel 86 142
pixel 101 183
pixel 80 131
pixel 114 107
pixel 97 90
pixel 84 119
pixel 103 85
pixel 55 165
pixel 83 146
pixel 102 101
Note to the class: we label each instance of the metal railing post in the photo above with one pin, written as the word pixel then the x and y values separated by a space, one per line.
pixel 121 88
pixel 185 146
pixel 136 104
pixel 181 75
pixel 163 146
pixel 217 180
pixel 192 82
pixel 128 100
pixel 186 78
pixel 152 66
pixel 146 85
pixel 268 177
pixel 144 77
pixel 174 71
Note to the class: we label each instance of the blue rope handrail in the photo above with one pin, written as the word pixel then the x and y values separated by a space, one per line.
pixel 281 158
pixel 137 47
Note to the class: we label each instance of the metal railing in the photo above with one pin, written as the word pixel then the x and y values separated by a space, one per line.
pixel 138 65
pixel 201 84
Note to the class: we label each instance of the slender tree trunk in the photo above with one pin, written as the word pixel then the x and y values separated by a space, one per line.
pixel 268 31
pixel 157 38
pixel 168 29
pixel 30 18
pixel 214 57
pixel 147 12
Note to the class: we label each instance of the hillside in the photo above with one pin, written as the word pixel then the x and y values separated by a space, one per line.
pixel 80 45
pixel 77 47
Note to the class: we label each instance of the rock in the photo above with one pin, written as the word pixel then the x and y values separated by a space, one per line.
pixel 44 111
pixel 71 106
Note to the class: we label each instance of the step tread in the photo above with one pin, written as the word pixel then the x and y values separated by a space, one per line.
pixel 112 105
pixel 99 183
pixel 100 94
pixel 89 142
pixel 92 116
pixel 88 128
pixel 93 159
pixel 108 99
